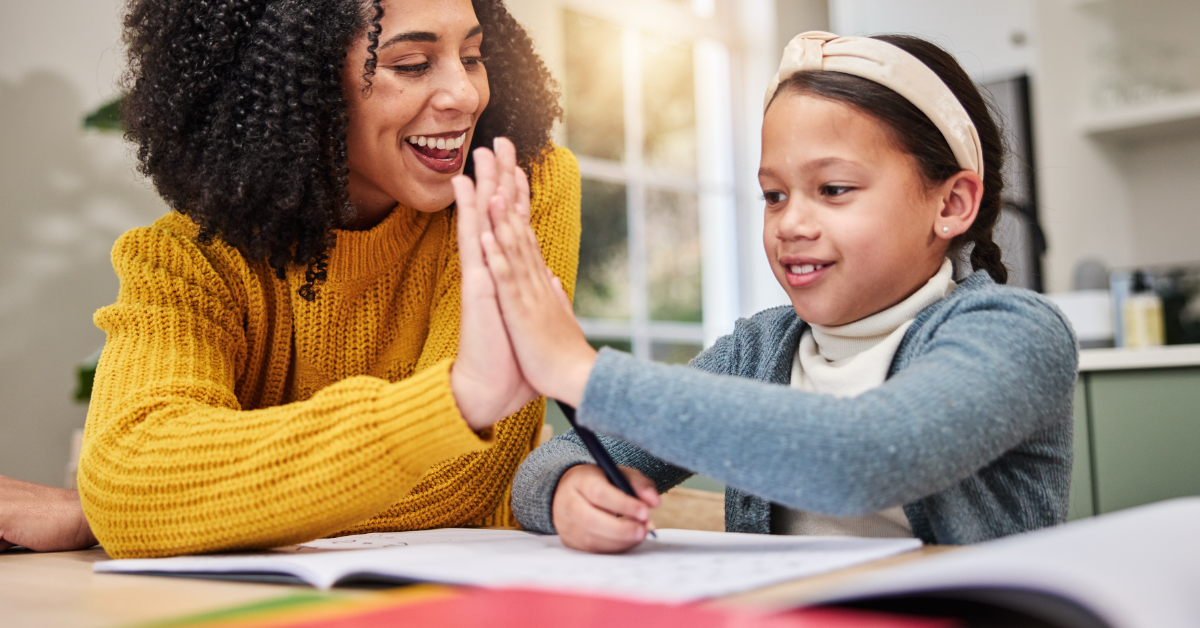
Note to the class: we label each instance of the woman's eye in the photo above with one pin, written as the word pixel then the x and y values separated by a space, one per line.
pixel 835 190
pixel 773 197
pixel 472 62
pixel 419 68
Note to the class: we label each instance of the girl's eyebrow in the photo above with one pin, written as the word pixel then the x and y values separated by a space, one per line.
pixel 813 165
pixel 424 37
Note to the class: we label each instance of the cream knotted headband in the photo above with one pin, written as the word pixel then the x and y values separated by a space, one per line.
pixel 893 68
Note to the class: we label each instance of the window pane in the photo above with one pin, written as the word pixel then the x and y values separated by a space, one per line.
pixel 603 287
pixel 594 110
pixel 669 108
pixel 674 352
pixel 673 256
pixel 619 345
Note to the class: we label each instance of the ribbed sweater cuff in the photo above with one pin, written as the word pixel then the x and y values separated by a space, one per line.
pixel 439 431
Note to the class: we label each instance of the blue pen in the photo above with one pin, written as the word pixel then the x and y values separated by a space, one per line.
pixel 600 454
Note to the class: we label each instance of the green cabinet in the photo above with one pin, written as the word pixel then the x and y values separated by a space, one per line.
pixel 1141 438
pixel 1082 504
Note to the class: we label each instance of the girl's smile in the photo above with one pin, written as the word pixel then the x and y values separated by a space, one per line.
pixel 851 227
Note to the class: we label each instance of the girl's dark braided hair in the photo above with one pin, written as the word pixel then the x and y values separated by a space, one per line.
pixel 237 111
pixel 916 134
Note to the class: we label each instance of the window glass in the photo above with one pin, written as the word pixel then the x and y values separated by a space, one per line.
pixel 668 104
pixel 602 290
pixel 673 256
pixel 594 95
pixel 674 352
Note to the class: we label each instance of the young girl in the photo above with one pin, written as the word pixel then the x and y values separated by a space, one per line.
pixel 889 400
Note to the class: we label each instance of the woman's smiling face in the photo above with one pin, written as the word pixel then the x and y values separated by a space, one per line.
pixel 408 133
pixel 850 225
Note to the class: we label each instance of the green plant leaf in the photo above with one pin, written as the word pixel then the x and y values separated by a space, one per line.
pixel 107 117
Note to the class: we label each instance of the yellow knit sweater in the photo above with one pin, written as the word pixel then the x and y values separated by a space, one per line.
pixel 228 413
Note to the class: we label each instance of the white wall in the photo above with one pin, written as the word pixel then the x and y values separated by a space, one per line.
pixel 984 35
pixel 65 195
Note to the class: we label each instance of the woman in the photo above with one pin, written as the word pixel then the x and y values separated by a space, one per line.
pixel 286 358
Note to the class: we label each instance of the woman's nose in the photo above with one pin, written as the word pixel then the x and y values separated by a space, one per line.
pixel 455 91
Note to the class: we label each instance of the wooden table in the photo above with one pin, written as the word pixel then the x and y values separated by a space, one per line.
pixel 59 590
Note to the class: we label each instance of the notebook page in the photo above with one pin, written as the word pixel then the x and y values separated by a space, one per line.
pixel 678 566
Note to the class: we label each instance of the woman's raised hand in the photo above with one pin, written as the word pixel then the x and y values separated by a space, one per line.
pixel 487 382
pixel 554 356
pixel 42 518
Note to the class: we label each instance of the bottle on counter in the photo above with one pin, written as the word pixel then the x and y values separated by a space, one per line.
pixel 1142 315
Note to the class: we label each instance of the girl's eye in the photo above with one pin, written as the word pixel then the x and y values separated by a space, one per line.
pixel 472 62
pixel 417 69
pixel 835 190
pixel 773 197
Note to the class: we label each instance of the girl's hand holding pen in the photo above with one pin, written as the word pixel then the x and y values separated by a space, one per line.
pixel 592 515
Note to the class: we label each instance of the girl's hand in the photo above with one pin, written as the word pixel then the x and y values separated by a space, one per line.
pixel 554 356
pixel 592 515
pixel 487 382
pixel 42 518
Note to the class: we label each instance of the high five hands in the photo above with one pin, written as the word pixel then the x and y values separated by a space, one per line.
pixel 496 239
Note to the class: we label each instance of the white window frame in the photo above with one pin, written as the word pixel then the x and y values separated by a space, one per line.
pixel 713 182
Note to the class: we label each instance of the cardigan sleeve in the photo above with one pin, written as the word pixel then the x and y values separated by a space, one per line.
pixel 537 479
pixel 173 465
pixel 991 374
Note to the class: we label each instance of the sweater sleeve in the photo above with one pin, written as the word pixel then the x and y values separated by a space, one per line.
pixel 172 464
pixel 537 479
pixel 993 373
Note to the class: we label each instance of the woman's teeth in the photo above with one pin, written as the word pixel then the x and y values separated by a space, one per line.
pixel 804 269
pixel 439 143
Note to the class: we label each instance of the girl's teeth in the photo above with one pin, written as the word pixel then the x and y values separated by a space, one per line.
pixel 441 143
pixel 421 141
pixel 805 269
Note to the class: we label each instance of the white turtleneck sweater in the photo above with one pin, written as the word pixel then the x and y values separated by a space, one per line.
pixel 846 361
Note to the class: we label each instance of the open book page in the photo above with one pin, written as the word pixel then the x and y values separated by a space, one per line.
pixel 1130 569
pixel 678 566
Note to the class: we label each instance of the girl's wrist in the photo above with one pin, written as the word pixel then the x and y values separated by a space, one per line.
pixel 575 373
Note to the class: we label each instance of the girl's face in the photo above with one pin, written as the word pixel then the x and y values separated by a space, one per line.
pixel 850 226
pixel 429 88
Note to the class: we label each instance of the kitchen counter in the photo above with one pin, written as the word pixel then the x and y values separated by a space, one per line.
pixel 1174 356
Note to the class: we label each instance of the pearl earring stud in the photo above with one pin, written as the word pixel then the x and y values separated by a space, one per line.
pixel 945 229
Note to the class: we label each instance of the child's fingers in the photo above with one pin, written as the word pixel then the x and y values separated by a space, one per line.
pixel 497 263
pixel 599 492
pixel 643 486
pixel 594 530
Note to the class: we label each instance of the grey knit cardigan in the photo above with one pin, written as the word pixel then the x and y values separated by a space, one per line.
pixel 971 432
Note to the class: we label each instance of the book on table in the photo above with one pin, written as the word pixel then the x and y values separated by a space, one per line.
pixel 1130 569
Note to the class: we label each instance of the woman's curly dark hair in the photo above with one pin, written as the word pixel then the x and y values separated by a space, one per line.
pixel 237 111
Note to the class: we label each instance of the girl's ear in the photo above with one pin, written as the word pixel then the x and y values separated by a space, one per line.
pixel 961 195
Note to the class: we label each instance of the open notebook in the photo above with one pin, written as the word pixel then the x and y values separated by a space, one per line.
pixel 1138 568
pixel 678 566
